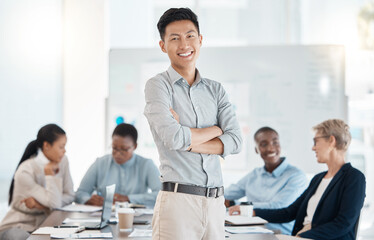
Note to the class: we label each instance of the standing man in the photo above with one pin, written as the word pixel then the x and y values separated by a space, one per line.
pixel 192 123
pixel 275 185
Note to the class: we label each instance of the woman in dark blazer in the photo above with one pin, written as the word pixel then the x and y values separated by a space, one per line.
pixel 330 207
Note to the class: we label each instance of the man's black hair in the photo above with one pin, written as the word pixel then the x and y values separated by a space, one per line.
pixel 176 14
pixel 264 129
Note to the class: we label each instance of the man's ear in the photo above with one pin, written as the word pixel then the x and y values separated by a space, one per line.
pixel 135 146
pixel 162 45
pixel 201 39
pixel 256 150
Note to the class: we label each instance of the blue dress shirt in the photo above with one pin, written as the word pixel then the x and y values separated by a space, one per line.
pixel 271 190
pixel 134 178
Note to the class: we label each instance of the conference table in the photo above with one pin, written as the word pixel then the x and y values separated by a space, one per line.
pixel 57 217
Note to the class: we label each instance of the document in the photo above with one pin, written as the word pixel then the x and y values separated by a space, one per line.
pixel 141 211
pixel 52 230
pixel 244 220
pixel 83 235
pixel 141 233
pixel 246 230
pixel 79 208
pixel 87 220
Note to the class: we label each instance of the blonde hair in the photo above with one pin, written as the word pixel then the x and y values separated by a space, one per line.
pixel 337 128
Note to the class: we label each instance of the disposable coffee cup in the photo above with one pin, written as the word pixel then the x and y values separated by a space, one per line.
pixel 246 210
pixel 119 205
pixel 125 219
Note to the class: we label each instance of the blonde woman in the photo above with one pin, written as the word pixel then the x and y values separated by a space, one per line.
pixel 330 207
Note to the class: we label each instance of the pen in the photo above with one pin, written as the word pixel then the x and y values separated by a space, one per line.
pixel 66 226
pixel 80 229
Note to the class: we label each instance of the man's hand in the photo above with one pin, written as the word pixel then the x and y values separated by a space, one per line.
pixel 234 210
pixel 175 115
pixel 51 169
pixel 95 200
pixel 31 203
pixel 120 198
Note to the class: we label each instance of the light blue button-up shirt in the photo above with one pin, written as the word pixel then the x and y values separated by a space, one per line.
pixel 204 104
pixel 133 178
pixel 271 190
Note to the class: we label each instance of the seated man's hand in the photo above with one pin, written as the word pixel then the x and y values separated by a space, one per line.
pixel 95 200
pixel 234 210
pixel 120 198
pixel 31 203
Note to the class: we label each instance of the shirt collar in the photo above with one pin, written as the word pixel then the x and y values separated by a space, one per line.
pixel 41 159
pixel 174 76
pixel 281 168
pixel 129 163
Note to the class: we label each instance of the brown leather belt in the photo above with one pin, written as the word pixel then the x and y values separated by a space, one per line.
pixel 194 190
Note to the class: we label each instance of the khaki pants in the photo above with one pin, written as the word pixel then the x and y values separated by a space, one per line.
pixel 180 216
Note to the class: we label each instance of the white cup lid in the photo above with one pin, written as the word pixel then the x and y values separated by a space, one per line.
pixel 125 210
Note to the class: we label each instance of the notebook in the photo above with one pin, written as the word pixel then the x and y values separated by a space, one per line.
pixel 107 210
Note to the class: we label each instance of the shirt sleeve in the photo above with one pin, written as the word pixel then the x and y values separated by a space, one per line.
pixel 237 190
pixel 231 137
pixel 157 111
pixel 282 215
pixel 293 188
pixel 68 188
pixel 88 184
pixel 49 196
pixel 153 183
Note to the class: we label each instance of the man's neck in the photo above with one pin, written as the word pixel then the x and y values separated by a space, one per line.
pixel 271 167
pixel 188 73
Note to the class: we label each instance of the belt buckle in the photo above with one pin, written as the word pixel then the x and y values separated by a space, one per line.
pixel 208 192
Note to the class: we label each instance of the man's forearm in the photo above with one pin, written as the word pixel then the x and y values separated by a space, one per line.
pixel 203 135
pixel 214 146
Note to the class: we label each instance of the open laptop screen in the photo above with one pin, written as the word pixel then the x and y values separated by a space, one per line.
pixel 107 204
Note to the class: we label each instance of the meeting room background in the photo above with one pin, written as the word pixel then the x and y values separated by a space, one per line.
pixel 288 64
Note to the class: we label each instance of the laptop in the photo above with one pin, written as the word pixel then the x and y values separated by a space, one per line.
pixel 107 210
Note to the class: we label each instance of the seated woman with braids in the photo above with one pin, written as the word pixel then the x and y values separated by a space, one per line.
pixel 41 182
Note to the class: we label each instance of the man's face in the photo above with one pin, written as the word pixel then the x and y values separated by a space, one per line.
pixel 182 43
pixel 268 146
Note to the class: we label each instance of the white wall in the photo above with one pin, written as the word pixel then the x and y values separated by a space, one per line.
pixel 30 75
pixel 85 74
pixel 30 78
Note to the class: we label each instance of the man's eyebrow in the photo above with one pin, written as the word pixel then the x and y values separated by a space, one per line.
pixel 191 31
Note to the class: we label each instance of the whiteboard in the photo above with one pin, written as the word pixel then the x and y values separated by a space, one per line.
pixel 289 88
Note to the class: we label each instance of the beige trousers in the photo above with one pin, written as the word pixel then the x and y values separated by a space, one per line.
pixel 180 216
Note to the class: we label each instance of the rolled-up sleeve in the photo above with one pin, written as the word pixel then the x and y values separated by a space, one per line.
pixel 231 137
pixel 157 111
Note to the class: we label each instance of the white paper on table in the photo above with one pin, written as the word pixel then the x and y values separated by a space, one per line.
pixel 244 220
pixel 141 211
pixel 141 233
pixel 52 230
pixel 246 230
pixel 83 235
pixel 79 208
pixel 80 220
pixel 87 220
